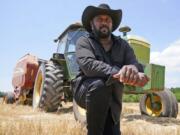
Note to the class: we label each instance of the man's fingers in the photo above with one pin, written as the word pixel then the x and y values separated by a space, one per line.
pixel 128 72
pixel 116 76
pixel 121 78
pixel 129 75
pixel 123 74
pixel 139 79
pixel 143 79
pixel 135 79
pixel 147 78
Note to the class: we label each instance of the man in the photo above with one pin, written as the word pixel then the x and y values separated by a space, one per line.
pixel 106 62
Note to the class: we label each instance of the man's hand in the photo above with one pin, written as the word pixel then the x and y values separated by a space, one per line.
pixel 129 75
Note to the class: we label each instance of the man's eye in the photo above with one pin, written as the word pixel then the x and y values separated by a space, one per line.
pixel 99 20
pixel 108 20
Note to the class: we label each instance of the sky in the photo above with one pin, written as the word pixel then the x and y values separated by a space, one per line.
pixel 30 26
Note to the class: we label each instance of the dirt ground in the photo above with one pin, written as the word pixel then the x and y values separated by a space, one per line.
pixel 23 120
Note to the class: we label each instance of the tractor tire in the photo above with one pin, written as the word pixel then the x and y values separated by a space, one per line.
pixel 48 88
pixel 174 109
pixel 166 101
pixel 79 113
pixel 142 105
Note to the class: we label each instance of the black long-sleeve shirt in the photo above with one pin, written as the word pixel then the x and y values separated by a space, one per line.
pixel 94 61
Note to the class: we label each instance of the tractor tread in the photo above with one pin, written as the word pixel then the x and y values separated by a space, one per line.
pixel 51 90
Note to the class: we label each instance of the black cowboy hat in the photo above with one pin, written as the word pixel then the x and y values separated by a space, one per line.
pixel 103 9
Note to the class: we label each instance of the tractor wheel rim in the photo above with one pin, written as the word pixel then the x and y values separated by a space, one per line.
pixel 154 111
pixel 38 88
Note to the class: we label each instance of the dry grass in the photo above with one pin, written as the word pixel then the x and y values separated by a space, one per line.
pixel 132 123
pixel 23 120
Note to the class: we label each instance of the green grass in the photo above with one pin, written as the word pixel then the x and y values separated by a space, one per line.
pixel 131 97
pixel 176 92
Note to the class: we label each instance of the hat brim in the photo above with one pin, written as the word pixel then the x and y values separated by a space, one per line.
pixel 90 12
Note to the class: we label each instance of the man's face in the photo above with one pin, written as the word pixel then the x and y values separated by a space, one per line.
pixel 102 26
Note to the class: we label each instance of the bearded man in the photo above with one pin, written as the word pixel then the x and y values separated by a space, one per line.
pixel 106 62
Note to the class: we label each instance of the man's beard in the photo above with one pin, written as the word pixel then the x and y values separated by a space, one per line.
pixel 103 32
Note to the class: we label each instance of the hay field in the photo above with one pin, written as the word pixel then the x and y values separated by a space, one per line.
pixel 23 120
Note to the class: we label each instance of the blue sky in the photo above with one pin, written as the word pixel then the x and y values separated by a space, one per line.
pixel 30 27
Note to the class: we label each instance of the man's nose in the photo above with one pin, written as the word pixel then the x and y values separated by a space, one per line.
pixel 104 22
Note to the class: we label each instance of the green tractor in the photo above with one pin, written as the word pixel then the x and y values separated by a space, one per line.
pixel 157 100
pixel 53 79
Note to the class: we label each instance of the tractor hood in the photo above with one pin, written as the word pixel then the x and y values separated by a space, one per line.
pixel 140 46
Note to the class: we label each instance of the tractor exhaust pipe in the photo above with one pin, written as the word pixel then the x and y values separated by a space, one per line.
pixel 125 30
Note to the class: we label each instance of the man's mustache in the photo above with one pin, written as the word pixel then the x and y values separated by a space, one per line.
pixel 104 26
